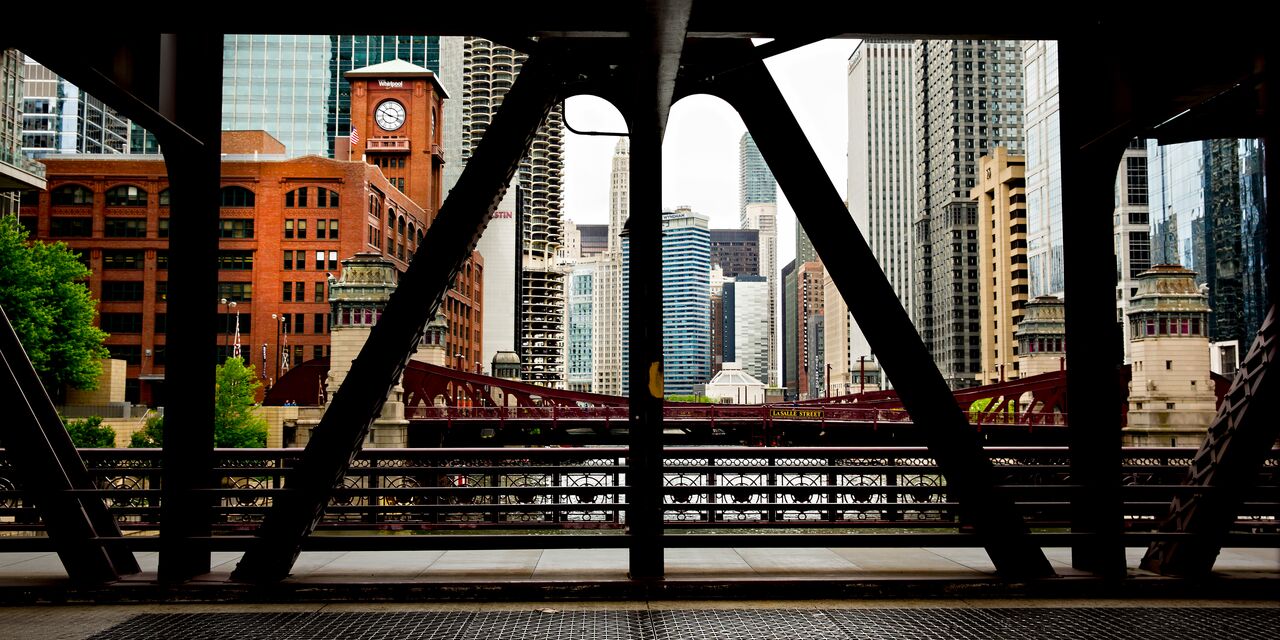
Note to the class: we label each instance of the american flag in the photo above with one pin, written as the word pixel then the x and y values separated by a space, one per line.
pixel 235 352
pixel 284 355
pixel 355 135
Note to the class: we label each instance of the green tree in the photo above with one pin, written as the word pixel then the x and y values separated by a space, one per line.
pixel 234 422
pixel 90 433
pixel 150 436
pixel 42 291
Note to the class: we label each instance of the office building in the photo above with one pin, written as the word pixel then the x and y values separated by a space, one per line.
pixel 790 332
pixel 1043 168
pixel 1132 230
pixel 968 101
pixel 609 331
pixel 746 324
pixel 756 184
pixel 737 251
pixel 882 168
pixel 1002 275
pixel 686 302
pixel 809 308
pixel 59 118
pixel 581 304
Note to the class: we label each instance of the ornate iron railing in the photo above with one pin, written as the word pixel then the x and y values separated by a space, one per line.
pixel 782 490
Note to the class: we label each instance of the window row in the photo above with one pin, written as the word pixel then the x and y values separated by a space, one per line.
pixel 297 260
pixel 296 228
pixel 1167 324
pixel 128 195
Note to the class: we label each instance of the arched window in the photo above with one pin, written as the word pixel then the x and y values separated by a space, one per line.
pixel 374 209
pixel 126 195
pixel 296 198
pixel 326 199
pixel 391 216
pixel 400 226
pixel 237 197
pixel 164 197
pixel 72 195
pixel 419 237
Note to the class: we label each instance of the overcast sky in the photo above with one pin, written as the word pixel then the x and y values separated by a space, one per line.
pixel 700 153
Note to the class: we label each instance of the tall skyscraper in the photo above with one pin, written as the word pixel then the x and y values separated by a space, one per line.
pixel 809 313
pixel 1044 171
pixel 755 182
pixel 882 176
pixel 451 60
pixel 59 118
pixel 763 217
pixel 790 332
pixel 1204 196
pixel 609 331
pixel 489 70
pixel 1002 262
pixel 686 301
pixel 746 328
pixel 1132 231
pixel 969 99
pixel 581 304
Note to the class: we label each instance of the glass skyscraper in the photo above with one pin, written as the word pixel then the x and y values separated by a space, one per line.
pixel 756 183
pixel 581 310
pixel 686 302
pixel 292 86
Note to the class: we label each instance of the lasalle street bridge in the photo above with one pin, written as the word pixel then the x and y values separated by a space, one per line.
pixel 639 514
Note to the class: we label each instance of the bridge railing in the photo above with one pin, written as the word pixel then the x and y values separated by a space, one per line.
pixel 764 414
pixel 854 489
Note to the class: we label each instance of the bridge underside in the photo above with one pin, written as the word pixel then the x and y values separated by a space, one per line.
pixel 643 56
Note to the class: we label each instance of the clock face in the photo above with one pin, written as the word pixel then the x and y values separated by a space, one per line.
pixel 389 115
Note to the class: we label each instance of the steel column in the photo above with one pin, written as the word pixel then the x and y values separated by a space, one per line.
pixel 190 96
pixel 448 243
pixel 1094 339
pixel 820 210
pixel 50 469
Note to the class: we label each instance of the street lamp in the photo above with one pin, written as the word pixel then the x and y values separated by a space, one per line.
pixel 226 306
pixel 279 318
pixel 828 379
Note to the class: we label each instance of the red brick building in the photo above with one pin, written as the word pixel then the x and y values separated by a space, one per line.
pixel 285 224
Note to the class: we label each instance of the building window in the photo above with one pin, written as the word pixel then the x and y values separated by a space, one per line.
pixel 319 289
pixel 317 351
pixel 125 228
pixel 161 323
pixel 71 195
pixel 70 227
pixel 114 323
pixel 1136 177
pixel 322 228
pixel 236 291
pixel 164 197
pixel 162 291
pixel 235 229
pixel 300 291
pixel 162 228
pixel 126 195
pixel 236 260
pixel 326 199
pixel 122 259
pixel 333 259
pixel 237 197
pixel 302 229
pixel 130 353
pixel 287 295
pixel 296 198
pixel 122 291
pixel 317 323
pixel 162 260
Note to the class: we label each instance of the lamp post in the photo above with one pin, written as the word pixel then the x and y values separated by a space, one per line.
pixel 862 374
pixel 828 379
pixel 226 307
pixel 279 318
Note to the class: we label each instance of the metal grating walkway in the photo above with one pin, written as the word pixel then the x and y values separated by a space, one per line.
pixel 1237 623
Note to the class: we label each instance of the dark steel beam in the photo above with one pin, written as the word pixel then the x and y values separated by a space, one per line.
pixel 655 61
pixel 1094 340
pixel 818 206
pixel 448 243
pixel 50 469
pixel 190 97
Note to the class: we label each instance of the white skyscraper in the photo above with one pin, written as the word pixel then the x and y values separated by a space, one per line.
pixel 882 176
pixel 747 323
pixel 758 202
pixel 607 332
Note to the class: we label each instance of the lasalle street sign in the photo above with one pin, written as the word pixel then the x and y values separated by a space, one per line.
pixel 791 412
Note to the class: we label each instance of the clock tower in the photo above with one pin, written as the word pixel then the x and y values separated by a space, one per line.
pixel 397 117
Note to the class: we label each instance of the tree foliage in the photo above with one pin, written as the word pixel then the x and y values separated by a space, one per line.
pixel 90 433
pixel 234 422
pixel 235 425
pixel 151 435
pixel 42 291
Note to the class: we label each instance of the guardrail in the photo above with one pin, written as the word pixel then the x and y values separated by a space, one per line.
pixel 784 490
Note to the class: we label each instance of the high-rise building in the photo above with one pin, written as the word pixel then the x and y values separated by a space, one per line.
pixel 804 246
pixel 1044 169
pixel 737 251
pixel 59 118
pixel 1203 197
pixel 489 70
pixel 609 331
pixel 451 63
pixel 882 169
pixel 581 304
pixel 835 336
pixel 1002 273
pixel 763 217
pixel 593 239
pixel 686 301
pixel 968 101
pixel 18 173
pixel 809 308
pixel 717 317
pixel 292 86
pixel 755 182
pixel 790 332
pixel 746 328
